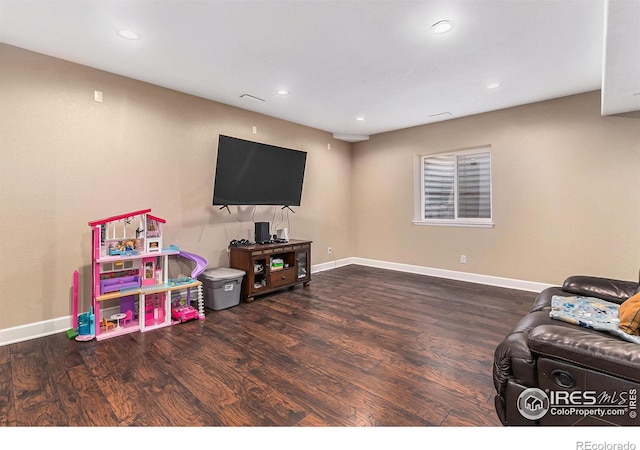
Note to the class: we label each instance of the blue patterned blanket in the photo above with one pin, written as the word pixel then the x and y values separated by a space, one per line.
pixel 590 312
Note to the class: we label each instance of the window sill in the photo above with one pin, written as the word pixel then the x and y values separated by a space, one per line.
pixel 454 223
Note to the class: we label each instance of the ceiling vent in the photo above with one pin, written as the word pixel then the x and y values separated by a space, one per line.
pixel 252 98
pixel 440 114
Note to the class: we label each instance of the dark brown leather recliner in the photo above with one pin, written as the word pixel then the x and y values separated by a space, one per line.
pixel 594 372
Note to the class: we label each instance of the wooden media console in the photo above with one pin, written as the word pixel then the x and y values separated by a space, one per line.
pixel 270 267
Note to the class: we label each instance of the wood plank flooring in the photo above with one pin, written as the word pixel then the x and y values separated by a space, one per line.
pixel 359 347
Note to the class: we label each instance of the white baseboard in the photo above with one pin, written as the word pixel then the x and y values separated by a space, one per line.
pixel 62 324
pixel 40 329
pixel 510 283
pixel 35 330
pixel 331 265
pixel 489 280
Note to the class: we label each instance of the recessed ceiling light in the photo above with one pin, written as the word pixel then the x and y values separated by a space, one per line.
pixel 360 118
pixel 283 92
pixel 442 26
pixel 493 86
pixel 128 34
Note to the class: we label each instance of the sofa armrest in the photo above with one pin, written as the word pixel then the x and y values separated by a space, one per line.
pixel 591 349
pixel 616 291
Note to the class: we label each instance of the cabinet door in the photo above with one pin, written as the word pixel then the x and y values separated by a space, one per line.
pixel 302 264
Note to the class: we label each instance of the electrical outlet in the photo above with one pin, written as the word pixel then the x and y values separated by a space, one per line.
pixel 329 251
pixel 463 259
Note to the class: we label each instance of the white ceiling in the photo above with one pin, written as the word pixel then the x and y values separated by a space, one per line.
pixel 344 59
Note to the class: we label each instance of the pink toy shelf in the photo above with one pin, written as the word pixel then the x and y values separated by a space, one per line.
pixel 130 279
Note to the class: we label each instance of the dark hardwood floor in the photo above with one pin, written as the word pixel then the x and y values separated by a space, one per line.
pixel 359 347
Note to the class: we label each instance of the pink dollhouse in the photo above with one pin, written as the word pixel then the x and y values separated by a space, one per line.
pixel 131 286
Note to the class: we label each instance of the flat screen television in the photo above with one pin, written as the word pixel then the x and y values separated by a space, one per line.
pixel 251 173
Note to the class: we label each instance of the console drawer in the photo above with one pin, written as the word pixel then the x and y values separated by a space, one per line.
pixel 282 277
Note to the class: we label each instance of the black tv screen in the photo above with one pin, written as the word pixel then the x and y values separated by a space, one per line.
pixel 251 173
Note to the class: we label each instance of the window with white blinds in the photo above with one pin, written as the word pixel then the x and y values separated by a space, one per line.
pixel 456 188
pixel 439 187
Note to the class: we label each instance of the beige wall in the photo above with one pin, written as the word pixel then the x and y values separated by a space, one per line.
pixel 66 160
pixel 564 193
pixel 565 198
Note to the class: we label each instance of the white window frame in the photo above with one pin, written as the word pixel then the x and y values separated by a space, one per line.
pixel 419 194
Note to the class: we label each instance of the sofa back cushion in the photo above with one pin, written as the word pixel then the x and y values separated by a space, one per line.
pixel 616 291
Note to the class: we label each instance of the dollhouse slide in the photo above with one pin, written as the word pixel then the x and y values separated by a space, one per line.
pixel 201 263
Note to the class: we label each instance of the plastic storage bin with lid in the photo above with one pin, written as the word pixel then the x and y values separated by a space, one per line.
pixel 222 287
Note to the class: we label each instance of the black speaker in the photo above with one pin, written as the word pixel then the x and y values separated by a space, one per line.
pixel 262 232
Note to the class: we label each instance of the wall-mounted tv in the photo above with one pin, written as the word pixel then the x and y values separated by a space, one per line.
pixel 251 173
